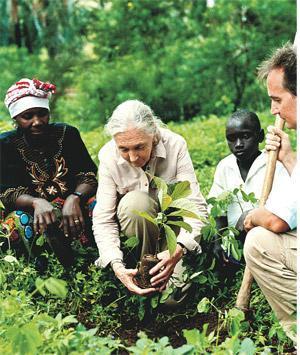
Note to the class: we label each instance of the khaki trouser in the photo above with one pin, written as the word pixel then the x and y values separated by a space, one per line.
pixel 133 225
pixel 272 260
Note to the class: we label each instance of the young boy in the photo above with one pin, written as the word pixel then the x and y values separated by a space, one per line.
pixel 244 168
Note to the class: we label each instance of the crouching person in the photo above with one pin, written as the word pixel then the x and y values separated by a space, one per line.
pixel 141 148
pixel 47 177
pixel 271 243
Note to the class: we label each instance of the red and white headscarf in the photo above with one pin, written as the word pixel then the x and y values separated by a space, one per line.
pixel 26 94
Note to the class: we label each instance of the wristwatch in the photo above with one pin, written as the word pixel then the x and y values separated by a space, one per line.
pixel 77 193
pixel 184 249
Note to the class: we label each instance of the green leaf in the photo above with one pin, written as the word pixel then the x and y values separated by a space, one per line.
pixel 245 196
pixel 203 305
pixel 2 277
pixel 187 205
pixel 146 216
pixel 41 240
pixel 166 201
pixel 165 294
pixel 236 313
pixel 171 187
pixel 202 279
pixel 182 189
pixel 131 242
pixel 171 239
pixel 235 316
pixel 207 232
pixel 252 198
pixel 247 347
pixel 154 301
pixel 161 184
pixel 162 189
pixel 25 339
pixel 181 224
pixel 10 259
pixel 70 319
pixel 56 287
pixel 183 213
pixel 195 274
pixel 236 253
pixel 40 286
pixel 212 266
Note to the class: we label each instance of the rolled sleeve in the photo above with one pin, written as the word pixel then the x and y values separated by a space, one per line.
pixel 105 226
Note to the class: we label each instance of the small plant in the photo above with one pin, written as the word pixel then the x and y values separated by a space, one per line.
pixel 228 234
pixel 173 207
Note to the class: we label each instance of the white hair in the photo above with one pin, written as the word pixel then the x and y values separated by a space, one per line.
pixel 133 114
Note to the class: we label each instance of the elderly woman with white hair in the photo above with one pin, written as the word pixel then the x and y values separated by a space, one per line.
pixel 141 148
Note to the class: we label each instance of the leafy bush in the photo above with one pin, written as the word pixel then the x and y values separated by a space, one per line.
pixel 17 63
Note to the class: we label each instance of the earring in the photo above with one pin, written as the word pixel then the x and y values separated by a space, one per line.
pixel 14 124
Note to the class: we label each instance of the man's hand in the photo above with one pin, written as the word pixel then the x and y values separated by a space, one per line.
pixel 248 224
pixel 278 139
pixel 165 268
pixel 240 223
pixel 73 221
pixel 43 215
pixel 126 276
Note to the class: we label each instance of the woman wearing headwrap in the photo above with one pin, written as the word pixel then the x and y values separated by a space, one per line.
pixel 47 177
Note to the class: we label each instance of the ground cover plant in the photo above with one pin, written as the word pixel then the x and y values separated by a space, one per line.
pixel 87 311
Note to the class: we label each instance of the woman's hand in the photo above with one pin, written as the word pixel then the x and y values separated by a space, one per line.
pixel 126 276
pixel 165 268
pixel 43 215
pixel 73 221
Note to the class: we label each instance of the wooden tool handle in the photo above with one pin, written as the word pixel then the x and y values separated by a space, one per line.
pixel 270 168
pixel 243 297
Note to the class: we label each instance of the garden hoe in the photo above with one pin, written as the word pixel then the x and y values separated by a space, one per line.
pixel 243 297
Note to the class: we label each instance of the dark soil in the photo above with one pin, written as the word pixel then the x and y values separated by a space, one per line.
pixel 145 265
pixel 170 326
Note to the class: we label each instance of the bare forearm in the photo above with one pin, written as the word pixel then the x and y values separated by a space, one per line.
pixel 263 218
pixel 26 202
pixel 289 161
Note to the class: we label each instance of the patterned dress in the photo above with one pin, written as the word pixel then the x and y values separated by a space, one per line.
pixel 52 172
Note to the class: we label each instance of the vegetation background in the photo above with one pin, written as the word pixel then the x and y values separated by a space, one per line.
pixel 194 62
pixel 184 58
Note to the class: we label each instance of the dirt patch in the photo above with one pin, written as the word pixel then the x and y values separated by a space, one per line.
pixel 171 327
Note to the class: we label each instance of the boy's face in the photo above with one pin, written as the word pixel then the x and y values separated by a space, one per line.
pixel 243 138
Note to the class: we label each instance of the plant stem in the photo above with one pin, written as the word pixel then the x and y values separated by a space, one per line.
pixel 157 242
pixel 118 299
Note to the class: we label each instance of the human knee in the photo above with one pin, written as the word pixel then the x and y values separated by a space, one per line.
pixel 252 242
pixel 136 201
